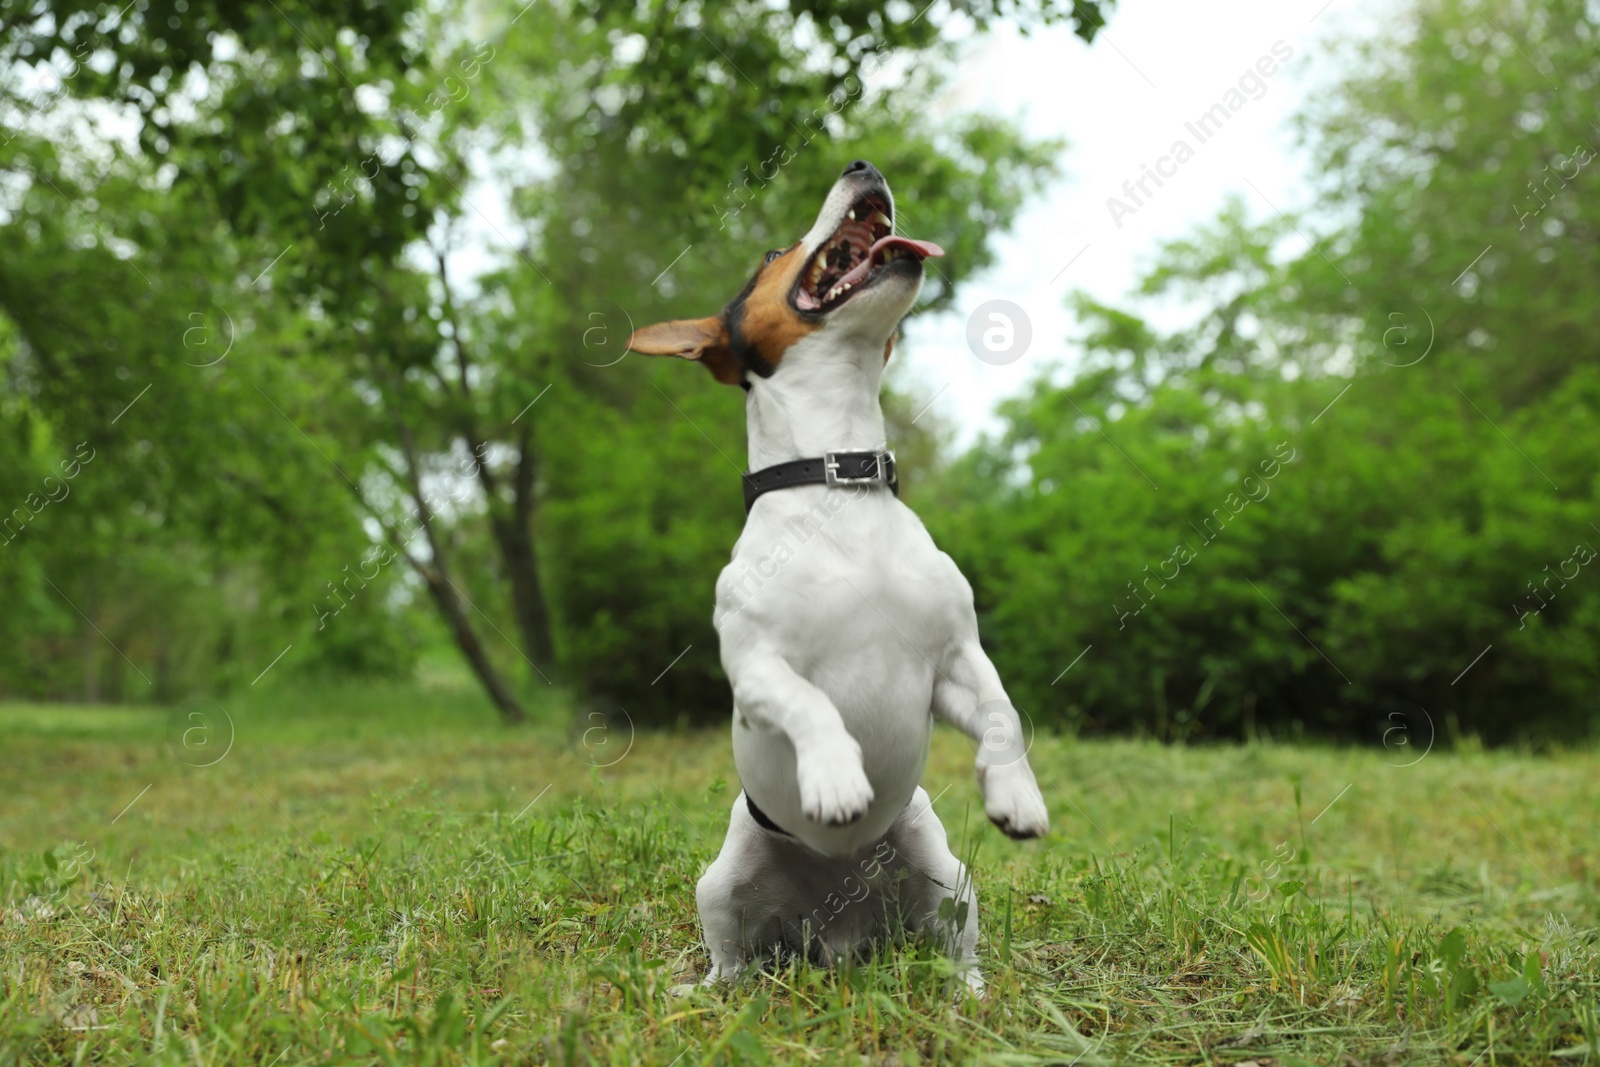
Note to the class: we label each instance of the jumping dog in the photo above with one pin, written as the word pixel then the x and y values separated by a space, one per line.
pixel 855 641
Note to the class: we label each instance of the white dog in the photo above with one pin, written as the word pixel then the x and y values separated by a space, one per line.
pixel 844 629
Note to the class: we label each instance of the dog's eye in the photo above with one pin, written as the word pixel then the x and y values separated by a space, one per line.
pixel 772 255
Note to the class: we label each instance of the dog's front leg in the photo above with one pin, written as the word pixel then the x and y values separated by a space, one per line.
pixel 770 695
pixel 967 694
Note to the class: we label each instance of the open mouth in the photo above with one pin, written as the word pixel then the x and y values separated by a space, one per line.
pixel 861 250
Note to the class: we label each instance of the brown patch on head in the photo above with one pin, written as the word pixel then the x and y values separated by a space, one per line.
pixel 762 323
pixel 703 340
pixel 753 331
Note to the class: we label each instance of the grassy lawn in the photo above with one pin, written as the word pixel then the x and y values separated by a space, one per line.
pixel 389 876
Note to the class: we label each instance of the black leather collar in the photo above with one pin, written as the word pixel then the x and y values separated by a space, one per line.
pixel 832 468
pixel 762 819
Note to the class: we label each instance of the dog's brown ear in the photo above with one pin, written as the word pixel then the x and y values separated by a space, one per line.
pixel 704 340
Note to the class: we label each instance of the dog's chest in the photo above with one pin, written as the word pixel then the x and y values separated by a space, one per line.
pixel 834 575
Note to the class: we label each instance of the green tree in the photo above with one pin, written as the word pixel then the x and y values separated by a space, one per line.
pixel 1423 558
pixel 307 175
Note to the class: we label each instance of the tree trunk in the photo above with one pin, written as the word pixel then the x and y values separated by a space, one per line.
pixel 91 656
pixel 510 523
pixel 444 595
pixel 527 593
pixel 436 574
pixel 514 534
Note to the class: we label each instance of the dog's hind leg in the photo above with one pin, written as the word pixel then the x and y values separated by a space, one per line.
pixel 935 893
pixel 733 896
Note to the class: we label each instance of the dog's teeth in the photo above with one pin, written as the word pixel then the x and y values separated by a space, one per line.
pixel 852 213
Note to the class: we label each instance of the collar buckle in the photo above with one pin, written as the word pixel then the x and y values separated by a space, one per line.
pixel 881 472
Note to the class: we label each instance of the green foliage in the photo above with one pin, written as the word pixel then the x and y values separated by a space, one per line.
pixel 255 309
pixel 274 249
pixel 1345 591
pixel 1421 567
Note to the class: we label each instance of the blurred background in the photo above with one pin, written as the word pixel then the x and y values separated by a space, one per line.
pixel 313 324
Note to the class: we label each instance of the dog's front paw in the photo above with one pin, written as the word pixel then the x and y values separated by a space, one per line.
pixel 1012 801
pixel 833 786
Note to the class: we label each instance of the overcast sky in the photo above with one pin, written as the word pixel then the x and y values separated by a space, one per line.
pixel 1120 104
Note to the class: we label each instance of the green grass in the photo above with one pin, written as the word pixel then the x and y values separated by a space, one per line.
pixel 388 876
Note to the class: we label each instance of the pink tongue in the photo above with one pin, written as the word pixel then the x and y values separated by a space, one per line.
pixel 923 250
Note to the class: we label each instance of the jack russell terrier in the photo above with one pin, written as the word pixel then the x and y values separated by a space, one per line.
pixel 855 641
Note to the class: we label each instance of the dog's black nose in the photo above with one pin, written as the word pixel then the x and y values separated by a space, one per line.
pixel 863 168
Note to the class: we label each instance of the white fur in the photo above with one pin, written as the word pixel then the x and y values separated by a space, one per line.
pixel 844 631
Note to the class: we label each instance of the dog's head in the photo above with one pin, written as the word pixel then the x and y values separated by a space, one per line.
pixel 850 278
